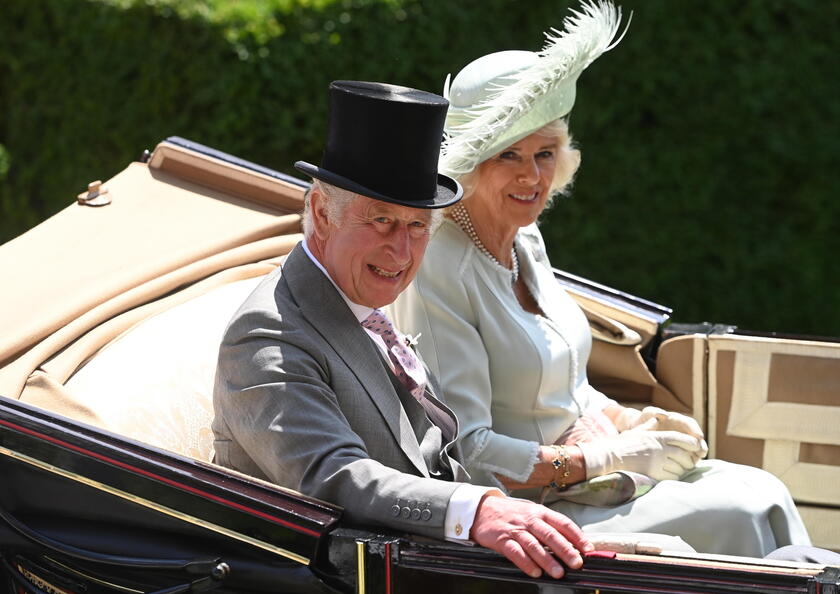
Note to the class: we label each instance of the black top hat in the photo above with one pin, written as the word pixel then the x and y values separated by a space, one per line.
pixel 383 142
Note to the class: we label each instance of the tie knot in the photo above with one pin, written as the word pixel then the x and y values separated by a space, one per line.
pixel 378 323
pixel 407 366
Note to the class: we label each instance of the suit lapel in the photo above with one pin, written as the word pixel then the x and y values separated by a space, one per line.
pixel 324 308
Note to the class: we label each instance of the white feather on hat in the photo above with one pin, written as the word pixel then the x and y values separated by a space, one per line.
pixel 503 97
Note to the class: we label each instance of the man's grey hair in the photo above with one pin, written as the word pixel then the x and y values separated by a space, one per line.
pixel 336 202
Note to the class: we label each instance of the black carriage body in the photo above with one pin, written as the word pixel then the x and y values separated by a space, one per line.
pixel 85 511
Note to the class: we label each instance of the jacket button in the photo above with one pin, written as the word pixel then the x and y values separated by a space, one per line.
pixel 426 515
pixel 395 510
pixel 415 514
pixel 406 511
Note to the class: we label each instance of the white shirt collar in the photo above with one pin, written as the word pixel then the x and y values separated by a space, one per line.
pixel 360 311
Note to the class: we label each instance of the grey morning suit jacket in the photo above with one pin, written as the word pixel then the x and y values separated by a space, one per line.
pixel 304 399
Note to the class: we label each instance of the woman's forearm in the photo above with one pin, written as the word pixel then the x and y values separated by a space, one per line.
pixel 545 471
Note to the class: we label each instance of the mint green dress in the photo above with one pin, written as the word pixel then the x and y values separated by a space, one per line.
pixel 517 380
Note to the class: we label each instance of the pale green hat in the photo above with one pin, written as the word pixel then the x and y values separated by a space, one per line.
pixel 503 97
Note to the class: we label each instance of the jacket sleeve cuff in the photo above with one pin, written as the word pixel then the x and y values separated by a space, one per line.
pixel 503 455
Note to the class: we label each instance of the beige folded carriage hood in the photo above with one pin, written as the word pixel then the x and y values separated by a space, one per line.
pixel 170 228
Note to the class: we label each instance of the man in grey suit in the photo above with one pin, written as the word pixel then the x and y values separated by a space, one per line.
pixel 317 392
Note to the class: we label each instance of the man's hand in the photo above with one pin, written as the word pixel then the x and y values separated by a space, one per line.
pixel 521 530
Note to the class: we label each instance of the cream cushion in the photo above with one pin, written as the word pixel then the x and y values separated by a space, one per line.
pixel 154 383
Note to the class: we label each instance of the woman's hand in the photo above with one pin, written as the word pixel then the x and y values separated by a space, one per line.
pixel 653 418
pixel 661 455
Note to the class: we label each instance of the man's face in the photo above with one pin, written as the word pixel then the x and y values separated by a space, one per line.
pixel 375 251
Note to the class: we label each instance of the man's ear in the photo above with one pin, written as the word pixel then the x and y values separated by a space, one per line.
pixel 320 217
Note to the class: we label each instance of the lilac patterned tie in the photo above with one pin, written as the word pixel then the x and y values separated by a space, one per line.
pixel 407 365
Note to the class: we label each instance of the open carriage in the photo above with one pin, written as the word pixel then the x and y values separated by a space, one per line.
pixel 112 312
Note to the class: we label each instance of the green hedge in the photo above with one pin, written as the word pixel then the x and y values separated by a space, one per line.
pixel 709 136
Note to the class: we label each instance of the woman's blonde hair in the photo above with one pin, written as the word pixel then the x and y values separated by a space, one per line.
pixel 568 161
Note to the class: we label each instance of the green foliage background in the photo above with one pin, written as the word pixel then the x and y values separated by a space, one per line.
pixel 710 136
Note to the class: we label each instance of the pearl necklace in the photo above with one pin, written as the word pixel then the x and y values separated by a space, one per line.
pixel 462 218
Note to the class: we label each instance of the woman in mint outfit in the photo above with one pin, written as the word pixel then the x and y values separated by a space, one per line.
pixel 510 346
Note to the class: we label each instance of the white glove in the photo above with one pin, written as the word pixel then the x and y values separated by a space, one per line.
pixel 661 455
pixel 653 418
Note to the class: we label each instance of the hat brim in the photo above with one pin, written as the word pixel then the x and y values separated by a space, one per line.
pixel 448 191
pixel 503 97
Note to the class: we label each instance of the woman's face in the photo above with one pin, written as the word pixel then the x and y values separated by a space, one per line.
pixel 514 185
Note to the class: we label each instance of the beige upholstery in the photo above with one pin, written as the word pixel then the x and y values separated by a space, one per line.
pixel 681 369
pixel 616 366
pixel 780 397
pixel 141 290
pixel 155 382
pixel 169 224
pixel 773 403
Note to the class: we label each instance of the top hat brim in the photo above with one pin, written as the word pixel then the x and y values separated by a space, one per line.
pixel 448 191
